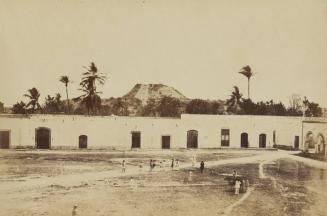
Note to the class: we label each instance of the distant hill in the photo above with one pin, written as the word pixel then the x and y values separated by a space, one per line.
pixel 145 92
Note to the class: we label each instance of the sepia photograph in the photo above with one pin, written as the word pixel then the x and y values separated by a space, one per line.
pixel 163 108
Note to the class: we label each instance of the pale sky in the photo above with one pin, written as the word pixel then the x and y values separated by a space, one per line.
pixel 198 47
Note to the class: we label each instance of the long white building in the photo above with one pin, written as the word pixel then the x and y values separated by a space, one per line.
pixel 189 131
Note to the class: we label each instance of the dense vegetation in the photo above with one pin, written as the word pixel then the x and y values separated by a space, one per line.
pixel 90 102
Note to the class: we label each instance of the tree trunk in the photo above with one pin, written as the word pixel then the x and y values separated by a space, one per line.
pixel 67 100
pixel 248 88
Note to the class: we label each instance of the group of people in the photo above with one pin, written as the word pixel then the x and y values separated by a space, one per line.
pixel 240 184
pixel 175 164
pixel 152 164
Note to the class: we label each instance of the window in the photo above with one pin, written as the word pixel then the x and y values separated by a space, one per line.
pixel 165 142
pixel 136 139
pixel 224 137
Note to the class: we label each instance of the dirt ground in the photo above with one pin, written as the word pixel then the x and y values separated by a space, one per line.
pixel 52 182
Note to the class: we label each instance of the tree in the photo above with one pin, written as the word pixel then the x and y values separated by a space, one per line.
pixel 92 102
pixel 312 109
pixel 277 109
pixel 53 104
pixel 65 80
pixel 233 103
pixel 295 105
pixel 2 108
pixel 19 108
pixel 33 95
pixel 120 107
pixel 169 107
pixel 216 107
pixel 295 102
pixel 198 106
pixel 247 72
pixel 90 79
pixel 248 107
pixel 150 109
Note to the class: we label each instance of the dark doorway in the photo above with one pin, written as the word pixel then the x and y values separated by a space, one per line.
pixel 224 137
pixel 192 139
pixel 165 142
pixel 82 141
pixel 309 141
pixel 297 142
pixel 4 139
pixel 43 137
pixel 320 144
pixel 244 140
pixel 262 141
pixel 136 139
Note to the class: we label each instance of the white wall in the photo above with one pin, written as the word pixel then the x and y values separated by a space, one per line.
pixel 209 129
pixel 115 132
pixel 102 132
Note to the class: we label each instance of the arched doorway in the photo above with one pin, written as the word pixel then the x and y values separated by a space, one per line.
pixel 309 141
pixel 43 138
pixel 244 140
pixel 262 141
pixel 320 145
pixel 192 139
pixel 82 141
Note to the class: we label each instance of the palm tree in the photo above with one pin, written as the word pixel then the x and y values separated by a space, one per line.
pixel 91 101
pixel 90 78
pixel 53 104
pixel 65 80
pixel 34 99
pixel 247 71
pixel 234 101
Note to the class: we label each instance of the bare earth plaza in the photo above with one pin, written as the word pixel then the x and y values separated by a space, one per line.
pixel 163 108
pixel 88 178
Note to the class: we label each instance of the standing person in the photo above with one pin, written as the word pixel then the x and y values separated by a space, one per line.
pixel 133 183
pixel 201 166
pixel 123 168
pixel 151 164
pixel 177 164
pixel 234 175
pixel 74 212
pixel 247 183
pixel 190 176
pixel 242 187
pixel 172 164
pixel 237 186
pixel 193 160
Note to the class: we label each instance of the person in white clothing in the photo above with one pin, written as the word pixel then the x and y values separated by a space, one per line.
pixel 193 160
pixel 177 164
pixel 237 186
